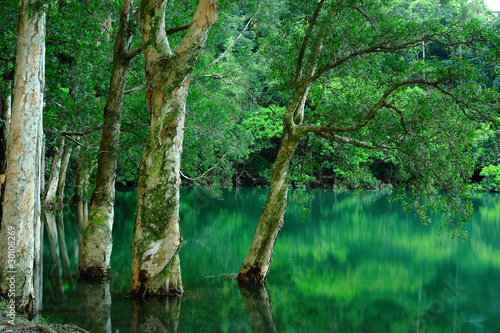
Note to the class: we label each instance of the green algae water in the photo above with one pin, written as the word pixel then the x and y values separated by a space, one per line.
pixel 342 263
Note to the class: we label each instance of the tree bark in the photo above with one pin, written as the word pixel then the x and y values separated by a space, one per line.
pixel 21 216
pixel 5 111
pixel 5 108
pixel 157 236
pixel 62 177
pixel 98 242
pixel 51 189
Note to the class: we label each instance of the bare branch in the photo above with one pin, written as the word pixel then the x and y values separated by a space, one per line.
pixel 206 172
pixel 133 74
pixel 136 89
pixel 7 59
pixel 177 29
pixel 229 47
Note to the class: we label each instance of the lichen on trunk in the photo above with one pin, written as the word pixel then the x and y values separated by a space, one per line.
pixel 157 235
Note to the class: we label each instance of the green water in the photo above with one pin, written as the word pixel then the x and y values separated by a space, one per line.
pixel 354 264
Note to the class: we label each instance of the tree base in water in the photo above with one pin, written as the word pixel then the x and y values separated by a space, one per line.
pixel 93 274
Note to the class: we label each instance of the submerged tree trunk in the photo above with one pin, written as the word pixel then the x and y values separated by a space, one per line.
pixel 98 242
pixel 157 236
pixel 20 230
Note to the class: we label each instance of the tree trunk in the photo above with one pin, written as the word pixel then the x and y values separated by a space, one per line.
pixel 259 257
pixel 51 189
pixel 98 242
pixel 157 236
pixel 5 110
pixel 21 216
pixel 62 177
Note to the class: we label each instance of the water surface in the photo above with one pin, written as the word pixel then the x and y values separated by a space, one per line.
pixel 342 263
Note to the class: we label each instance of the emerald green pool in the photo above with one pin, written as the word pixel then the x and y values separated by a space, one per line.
pixel 342 263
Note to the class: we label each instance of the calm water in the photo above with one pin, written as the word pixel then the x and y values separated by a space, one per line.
pixel 354 264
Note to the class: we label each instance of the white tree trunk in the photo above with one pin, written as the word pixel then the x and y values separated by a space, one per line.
pixel 51 189
pixel 21 206
pixel 62 176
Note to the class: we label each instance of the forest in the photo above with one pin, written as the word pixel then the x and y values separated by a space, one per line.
pixel 98 95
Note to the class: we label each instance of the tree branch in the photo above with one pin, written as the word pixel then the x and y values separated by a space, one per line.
pixel 206 172
pixel 136 89
pixel 177 29
pixel 229 47
pixel 379 48
pixel 300 60
pixel 306 128
pixel 133 53
pixel 354 142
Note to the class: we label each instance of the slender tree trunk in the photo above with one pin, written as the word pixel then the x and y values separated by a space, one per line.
pixel 51 189
pixel 5 111
pixel 62 177
pixel 157 236
pixel 21 215
pixel 98 242
pixel 259 257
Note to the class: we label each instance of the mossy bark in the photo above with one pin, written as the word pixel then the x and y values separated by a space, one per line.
pixel 98 242
pixel 157 235
pixel 21 206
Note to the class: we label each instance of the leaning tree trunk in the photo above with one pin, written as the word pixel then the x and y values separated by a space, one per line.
pixel 97 244
pixel 21 219
pixel 259 256
pixel 157 236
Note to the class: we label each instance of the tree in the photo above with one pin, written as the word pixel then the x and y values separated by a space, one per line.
pixel 96 251
pixel 351 81
pixel 157 236
pixel 21 217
